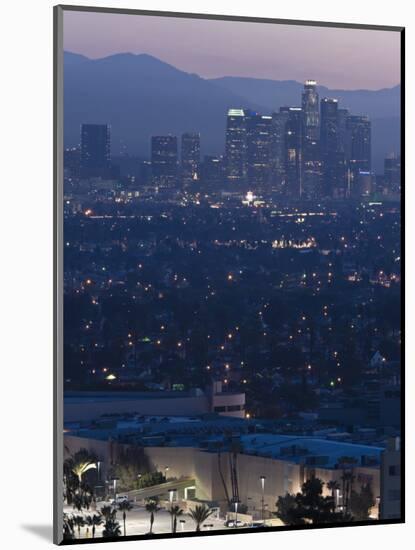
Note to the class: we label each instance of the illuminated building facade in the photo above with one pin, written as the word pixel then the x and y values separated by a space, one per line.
pixel 279 120
pixel 236 146
pixel 212 170
pixel 392 170
pixel 259 134
pixel 312 172
pixel 333 158
pixel 294 152
pixel 164 161
pixel 190 158
pixel 359 132
pixel 311 111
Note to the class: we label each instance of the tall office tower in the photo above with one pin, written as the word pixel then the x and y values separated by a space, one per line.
pixel 343 133
pixel 236 146
pixel 311 111
pixel 312 173
pixel 190 158
pixel 392 169
pixel 294 153
pixel 359 158
pixel 333 157
pixel 212 171
pixel 279 120
pixel 164 161
pixel 95 150
pixel 259 133
pixel 72 162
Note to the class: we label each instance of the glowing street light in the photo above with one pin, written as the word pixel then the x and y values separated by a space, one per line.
pixel 262 478
pixel 99 469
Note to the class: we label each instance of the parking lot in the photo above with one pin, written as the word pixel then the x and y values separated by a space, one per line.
pixel 138 522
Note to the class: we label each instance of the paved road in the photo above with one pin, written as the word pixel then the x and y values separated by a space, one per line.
pixel 161 489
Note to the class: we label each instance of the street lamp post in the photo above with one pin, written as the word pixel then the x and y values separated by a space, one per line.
pixel 115 488
pixel 236 514
pixel 262 478
pixel 171 499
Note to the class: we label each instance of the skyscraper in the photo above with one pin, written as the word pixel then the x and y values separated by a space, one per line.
pixel 312 173
pixel 333 157
pixel 392 169
pixel 95 150
pixel 236 146
pixel 164 161
pixel 311 111
pixel 359 128
pixel 259 133
pixel 343 133
pixel 190 157
pixel 212 171
pixel 279 120
pixel 329 128
pixel 359 161
pixel 294 152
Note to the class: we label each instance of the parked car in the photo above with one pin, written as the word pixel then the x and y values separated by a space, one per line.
pixel 233 523
pixel 119 500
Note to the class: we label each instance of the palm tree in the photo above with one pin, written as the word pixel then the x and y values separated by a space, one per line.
pixel 111 525
pixel 124 507
pixel 107 511
pixel 111 528
pixel 93 521
pixel 68 527
pixel 77 502
pixel 152 508
pixel 200 514
pixel 347 482
pixel 80 468
pixel 79 522
pixel 175 512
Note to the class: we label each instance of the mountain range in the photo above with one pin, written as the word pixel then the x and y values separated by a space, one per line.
pixel 141 96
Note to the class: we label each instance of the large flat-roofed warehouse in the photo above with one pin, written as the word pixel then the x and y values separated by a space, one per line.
pixel 216 451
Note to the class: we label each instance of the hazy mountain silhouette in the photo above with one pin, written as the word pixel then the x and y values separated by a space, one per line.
pixel 275 93
pixel 74 58
pixel 141 96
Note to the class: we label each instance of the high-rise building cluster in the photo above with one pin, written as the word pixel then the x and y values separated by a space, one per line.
pixel 313 151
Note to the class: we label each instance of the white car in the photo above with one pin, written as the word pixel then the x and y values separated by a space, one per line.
pixel 233 523
pixel 120 499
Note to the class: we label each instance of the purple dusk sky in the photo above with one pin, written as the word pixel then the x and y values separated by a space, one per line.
pixel 337 58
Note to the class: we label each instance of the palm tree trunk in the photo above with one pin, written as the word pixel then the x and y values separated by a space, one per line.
pixel 123 517
pixel 151 522
pixel 93 530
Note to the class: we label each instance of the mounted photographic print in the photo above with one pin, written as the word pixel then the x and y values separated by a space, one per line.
pixel 228 268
